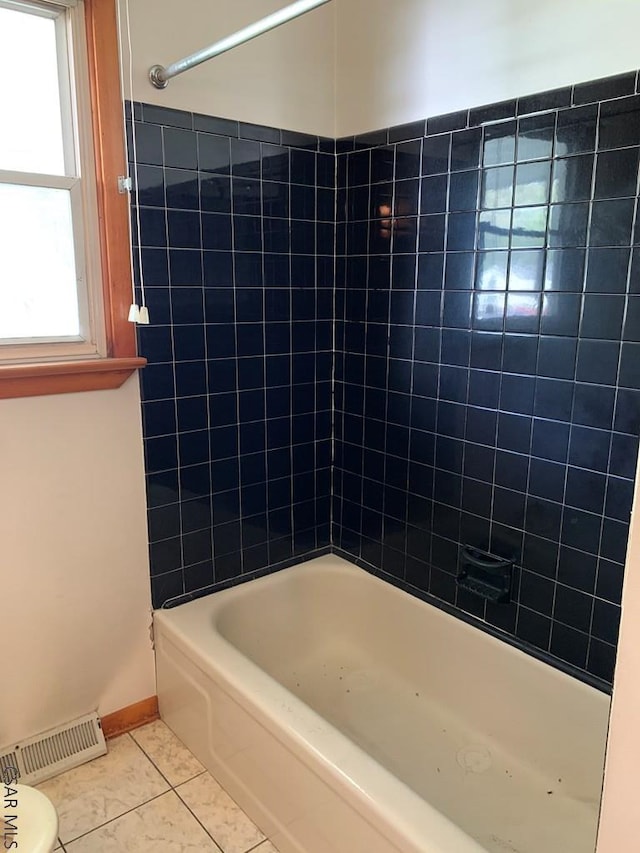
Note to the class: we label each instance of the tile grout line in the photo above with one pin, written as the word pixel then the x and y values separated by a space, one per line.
pixel 175 787
pixel 171 789
pixel 139 805
pixel 196 818
pixel 117 817
pixel 146 754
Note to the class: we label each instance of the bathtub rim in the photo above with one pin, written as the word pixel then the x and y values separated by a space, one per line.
pixel 330 551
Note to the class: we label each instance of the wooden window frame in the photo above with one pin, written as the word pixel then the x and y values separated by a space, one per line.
pixel 50 377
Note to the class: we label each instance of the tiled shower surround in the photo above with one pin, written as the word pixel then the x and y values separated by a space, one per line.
pixel 237 230
pixel 487 364
pixel 488 360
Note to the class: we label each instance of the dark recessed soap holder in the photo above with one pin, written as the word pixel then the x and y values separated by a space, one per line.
pixel 485 575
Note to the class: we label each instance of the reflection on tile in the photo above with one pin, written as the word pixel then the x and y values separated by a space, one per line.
pixel 572 177
pixel 576 130
pixel 494 229
pixel 488 311
pixel 497 187
pixel 172 759
pixel 529 227
pixel 568 225
pixel 611 222
pixel 101 790
pixel 617 173
pixel 535 137
pixel 217 812
pixel 532 183
pixel 525 270
pixel 491 271
pixel 162 824
pixel 499 144
pixel 522 313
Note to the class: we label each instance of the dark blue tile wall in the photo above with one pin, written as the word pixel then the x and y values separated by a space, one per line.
pixel 236 228
pixel 480 279
pixel 488 358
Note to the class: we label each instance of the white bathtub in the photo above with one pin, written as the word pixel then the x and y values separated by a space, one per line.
pixel 346 716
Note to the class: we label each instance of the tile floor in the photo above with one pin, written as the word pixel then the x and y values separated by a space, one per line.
pixel 147 794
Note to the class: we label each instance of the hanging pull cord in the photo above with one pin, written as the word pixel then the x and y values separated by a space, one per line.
pixel 138 314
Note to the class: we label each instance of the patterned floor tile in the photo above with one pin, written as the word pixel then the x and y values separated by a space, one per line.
pixel 163 825
pixel 169 755
pixel 94 793
pixel 221 817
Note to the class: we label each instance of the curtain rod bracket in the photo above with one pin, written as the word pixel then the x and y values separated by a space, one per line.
pixel 159 75
pixel 155 75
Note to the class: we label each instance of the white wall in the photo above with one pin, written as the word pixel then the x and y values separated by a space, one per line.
pixel 284 78
pixel 619 817
pixel 74 569
pixel 402 61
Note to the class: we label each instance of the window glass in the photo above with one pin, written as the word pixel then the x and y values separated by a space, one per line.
pixel 38 291
pixel 32 127
pixel 44 297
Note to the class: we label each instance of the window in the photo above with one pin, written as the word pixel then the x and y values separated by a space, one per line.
pixel 64 242
pixel 48 285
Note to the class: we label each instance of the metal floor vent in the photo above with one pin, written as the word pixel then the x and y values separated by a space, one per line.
pixel 45 755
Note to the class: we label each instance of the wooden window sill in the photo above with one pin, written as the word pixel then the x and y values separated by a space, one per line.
pixel 65 377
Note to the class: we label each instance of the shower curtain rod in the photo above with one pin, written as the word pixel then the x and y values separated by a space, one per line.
pixel 160 76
